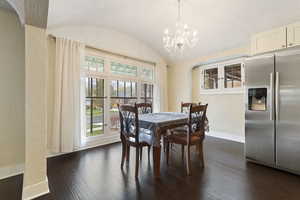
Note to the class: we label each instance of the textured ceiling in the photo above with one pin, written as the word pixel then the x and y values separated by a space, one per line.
pixel 222 24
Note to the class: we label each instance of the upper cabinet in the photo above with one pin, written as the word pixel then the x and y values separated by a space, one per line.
pixel 293 34
pixel 276 39
pixel 269 41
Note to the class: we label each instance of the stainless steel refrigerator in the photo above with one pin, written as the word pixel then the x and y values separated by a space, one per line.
pixel 273 110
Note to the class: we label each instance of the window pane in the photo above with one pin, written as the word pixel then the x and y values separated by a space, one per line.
pixel 94 63
pixel 149 90
pixel 147 73
pixel 114 114
pixel 134 89
pixel 211 78
pixel 97 117
pixel 147 93
pixel 94 106
pixel 114 88
pixel 232 76
pixel 88 116
pixel 128 89
pixel 88 87
pixel 143 88
pixel 100 88
pixel 121 89
pixel 123 69
pixel 94 87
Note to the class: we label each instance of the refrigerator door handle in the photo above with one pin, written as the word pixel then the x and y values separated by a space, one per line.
pixel 271 96
pixel 277 96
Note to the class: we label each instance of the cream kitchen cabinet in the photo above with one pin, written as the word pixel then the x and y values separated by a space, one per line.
pixel 269 41
pixel 293 34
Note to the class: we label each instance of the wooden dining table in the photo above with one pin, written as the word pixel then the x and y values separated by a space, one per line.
pixel 158 124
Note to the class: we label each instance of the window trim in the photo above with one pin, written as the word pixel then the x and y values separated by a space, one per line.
pixel 109 76
pixel 221 75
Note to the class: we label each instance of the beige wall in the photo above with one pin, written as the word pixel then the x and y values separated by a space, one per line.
pixel 35 176
pixel 12 90
pixel 225 112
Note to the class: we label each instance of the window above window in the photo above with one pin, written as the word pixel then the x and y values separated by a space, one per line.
pixel 123 69
pixel 147 74
pixel 94 63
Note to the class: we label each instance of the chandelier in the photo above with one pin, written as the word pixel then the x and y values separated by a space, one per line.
pixel 182 37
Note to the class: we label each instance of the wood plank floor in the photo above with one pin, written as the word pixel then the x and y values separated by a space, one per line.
pixel 95 174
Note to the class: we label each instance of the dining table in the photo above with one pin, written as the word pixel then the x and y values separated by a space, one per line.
pixel 159 124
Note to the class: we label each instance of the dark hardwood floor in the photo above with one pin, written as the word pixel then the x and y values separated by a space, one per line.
pixel 95 174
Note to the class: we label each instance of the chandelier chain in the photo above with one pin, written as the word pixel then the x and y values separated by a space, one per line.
pixel 179 10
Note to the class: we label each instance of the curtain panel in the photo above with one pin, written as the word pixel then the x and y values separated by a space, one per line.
pixel 160 88
pixel 65 134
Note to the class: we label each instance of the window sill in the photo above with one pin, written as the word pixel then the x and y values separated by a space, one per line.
pixel 224 91
pixel 100 140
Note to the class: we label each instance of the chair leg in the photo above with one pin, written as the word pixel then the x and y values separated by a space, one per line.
pixel 182 152
pixel 197 147
pixel 141 153
pixel 149 148
pixel 164 144
pixel 200 150
pixel 137 158
pixel 123 153
pixel 127 153
pixel 168 152
pixel 188 160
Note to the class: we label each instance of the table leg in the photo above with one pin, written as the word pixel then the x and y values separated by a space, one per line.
pixel 156 160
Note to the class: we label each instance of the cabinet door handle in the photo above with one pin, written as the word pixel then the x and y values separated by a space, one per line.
pixel 283 46
pixel 290 44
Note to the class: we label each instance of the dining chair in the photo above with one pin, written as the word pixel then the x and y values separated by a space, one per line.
pixel 144 108
pixel 194 135
pixel 131 135
pixel 185 108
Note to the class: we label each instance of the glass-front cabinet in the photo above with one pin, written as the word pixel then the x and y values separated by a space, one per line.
pixel 226 77
pixel 211 78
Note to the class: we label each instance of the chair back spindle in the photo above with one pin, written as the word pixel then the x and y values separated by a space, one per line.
pixel 185 107
pixel 144 108
pixel 197 117
pixel 129 122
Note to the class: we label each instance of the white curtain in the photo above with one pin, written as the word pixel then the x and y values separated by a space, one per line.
pixel 66 127
pixel 160 88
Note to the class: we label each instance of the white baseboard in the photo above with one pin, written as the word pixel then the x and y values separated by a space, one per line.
pixel 103 141
pixel 91 144
pixel 36 190
pixel 12 170
pixel 226 136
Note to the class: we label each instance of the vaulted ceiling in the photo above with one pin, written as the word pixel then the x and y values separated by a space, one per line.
pixel 222 24
pixel 4 4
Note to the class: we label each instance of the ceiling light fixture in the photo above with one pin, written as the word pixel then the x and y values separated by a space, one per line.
pixel 182 36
